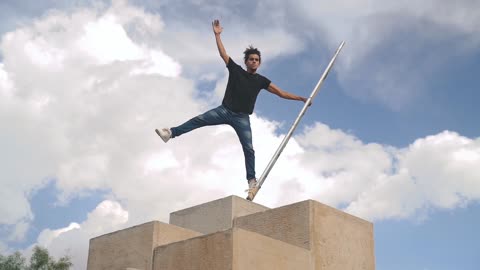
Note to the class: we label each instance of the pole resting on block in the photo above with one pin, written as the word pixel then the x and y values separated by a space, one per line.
pixel 284 142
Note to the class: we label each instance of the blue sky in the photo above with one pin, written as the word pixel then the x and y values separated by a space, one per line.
pixel 392 137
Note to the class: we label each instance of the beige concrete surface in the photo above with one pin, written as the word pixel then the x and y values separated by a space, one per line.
pixel 133 247
pixel 336 240
pixel 255 251
pixel 212 252
pixel 233 249
pixel 289 223
pixel 235 234
pixel 341 241
pixel 214 216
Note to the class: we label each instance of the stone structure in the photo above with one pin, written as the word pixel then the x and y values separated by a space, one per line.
pixel 235 234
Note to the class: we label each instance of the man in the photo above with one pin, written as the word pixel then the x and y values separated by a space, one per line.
pixel 238 103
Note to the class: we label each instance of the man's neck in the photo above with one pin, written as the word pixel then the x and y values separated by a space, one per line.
pixel 251 71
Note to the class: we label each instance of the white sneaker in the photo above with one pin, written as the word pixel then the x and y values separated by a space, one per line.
pixel 252 189
pixel 164 133
pixel 252 183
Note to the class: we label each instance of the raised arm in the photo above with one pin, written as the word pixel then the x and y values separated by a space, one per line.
pixel 272 88
pixel 217 30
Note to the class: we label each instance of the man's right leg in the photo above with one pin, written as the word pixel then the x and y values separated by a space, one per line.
pixel 212 117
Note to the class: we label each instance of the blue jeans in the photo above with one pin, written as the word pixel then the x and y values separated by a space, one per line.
pixel 221 115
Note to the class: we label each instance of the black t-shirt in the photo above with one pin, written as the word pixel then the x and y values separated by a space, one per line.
pixel 242 88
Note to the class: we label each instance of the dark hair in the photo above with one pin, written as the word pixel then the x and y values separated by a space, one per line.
pixel 251 50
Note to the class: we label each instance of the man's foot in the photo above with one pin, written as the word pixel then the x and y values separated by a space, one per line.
pixel 252 189
pixel 164 133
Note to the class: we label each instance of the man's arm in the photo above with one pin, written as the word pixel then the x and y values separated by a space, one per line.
pixel 272 88
pixel 217 30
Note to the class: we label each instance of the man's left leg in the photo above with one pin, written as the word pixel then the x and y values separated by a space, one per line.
pixel 241 125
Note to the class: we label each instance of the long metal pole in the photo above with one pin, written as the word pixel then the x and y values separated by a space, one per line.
pixel 269 167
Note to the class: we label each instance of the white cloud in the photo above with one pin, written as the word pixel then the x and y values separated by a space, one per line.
pixel 20 231
pixel 73 240
pixel 392 47
pixel 106 41
pixel 54 96
pixel 19 208
pixel 159 162
pixel 46 237
pixel 197 52
pixel 54 91
pixel 6 85
pixel 386 40
pixel 378 182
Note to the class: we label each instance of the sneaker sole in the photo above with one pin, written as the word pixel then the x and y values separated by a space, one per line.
pixel 158 133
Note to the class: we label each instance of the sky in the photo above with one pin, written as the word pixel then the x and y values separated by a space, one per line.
pixel 392 137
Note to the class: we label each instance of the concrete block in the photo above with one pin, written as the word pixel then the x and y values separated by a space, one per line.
pixel 255 251
pixel 214 216
pixel 233 249
pixel 336 239
pixel 133 247
pixel 241 235
pixel 289 223
pixel 340 240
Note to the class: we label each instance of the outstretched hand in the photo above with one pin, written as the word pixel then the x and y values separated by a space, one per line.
pixel 217 29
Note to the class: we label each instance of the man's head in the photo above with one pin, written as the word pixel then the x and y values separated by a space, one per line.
pixel 252 58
